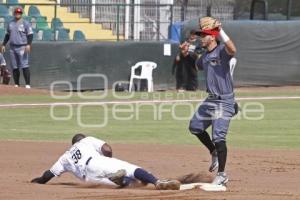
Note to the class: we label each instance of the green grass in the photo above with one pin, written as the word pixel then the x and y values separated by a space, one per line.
pixel 99 96
pixel 279 129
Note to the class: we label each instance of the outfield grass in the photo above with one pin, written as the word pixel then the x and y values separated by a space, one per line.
pixel 109 96
pixel 278 129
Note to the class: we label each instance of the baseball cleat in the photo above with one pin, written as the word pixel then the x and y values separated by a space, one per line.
pixel 221 179
pixel 27 86
pixel 16 85
pixel 167 185
pixel 214 161
pixel 117 177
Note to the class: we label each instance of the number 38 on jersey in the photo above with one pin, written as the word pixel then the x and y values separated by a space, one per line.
pixel 76 156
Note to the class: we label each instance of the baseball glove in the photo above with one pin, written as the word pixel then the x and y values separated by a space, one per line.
pixel 209 23
pixel 118 177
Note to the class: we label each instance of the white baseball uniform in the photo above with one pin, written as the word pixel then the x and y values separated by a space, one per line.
pixel 86 161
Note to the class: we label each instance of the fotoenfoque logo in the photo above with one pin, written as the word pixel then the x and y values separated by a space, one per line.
pixel 127 106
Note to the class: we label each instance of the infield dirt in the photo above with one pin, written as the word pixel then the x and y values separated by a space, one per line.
pixel 254 174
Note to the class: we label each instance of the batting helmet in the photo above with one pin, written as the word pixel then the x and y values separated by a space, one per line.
pixel 77 138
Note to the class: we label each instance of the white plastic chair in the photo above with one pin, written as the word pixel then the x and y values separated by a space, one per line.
pixel 146 73
pixel 232 65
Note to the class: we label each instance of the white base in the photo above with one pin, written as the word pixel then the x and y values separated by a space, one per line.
pixel 203 186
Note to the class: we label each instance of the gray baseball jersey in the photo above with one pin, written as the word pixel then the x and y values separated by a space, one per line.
pixel 2 60
pixel 215 112
pixel 18 32
pixel 217 71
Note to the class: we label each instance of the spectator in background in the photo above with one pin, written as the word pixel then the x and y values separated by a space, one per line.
pixel 178 70
pixel 194 43
pixel 190 51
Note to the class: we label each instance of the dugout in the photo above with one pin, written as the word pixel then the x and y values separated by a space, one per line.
pixel 268 54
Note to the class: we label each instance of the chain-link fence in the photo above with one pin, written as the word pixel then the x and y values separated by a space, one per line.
pixel 84 10
pixel 147 19
pixel 276 9
pixel 186 10
pixel 152 19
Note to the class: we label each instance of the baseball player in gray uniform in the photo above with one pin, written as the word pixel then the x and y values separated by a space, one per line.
pixel 90 159
pixel 20 35
pixel 219 107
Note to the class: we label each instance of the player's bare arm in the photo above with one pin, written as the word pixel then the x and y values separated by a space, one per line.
pixel 229 45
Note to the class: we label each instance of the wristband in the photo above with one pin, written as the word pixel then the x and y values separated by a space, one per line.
pixel 223 36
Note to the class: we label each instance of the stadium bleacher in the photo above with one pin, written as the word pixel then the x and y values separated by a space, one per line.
pixel 2 33
pixel 43 20
pixel 39 23
pixel 79 36
pixel 33 11
pixel 47 35
pixel 4 11
pixel 63 35
pixel 149 22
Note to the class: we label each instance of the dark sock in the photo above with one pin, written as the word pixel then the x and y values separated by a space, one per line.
pixel 205 139
pixel 16 76
pixel 26 74
pixel 222 155
pixel 144 176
